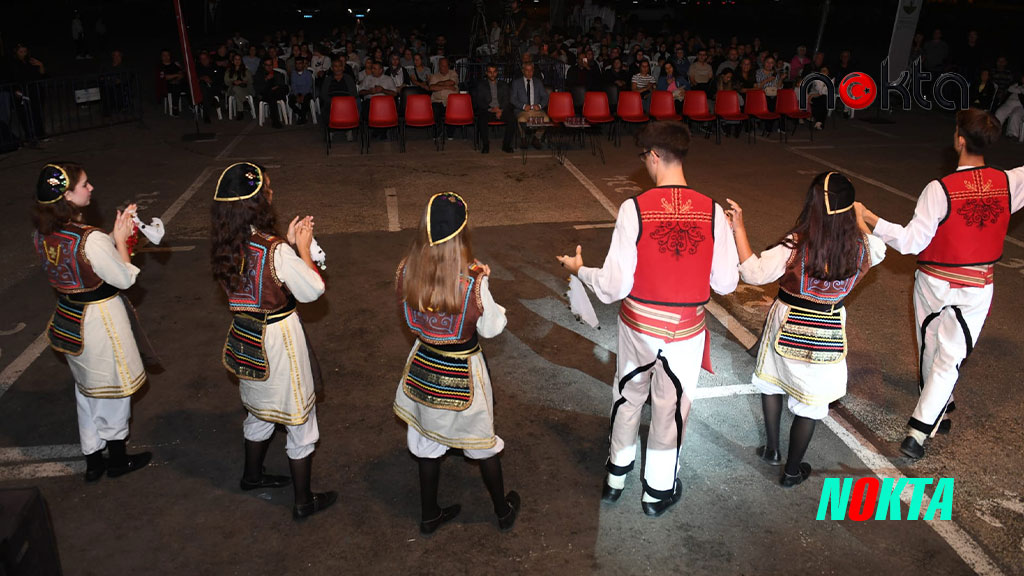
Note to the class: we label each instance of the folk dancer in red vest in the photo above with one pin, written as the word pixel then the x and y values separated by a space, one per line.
pixel 670 247
pixel 93 322
pixel 445 393
pixel 803 348
pixel 266 348
pixel 957 232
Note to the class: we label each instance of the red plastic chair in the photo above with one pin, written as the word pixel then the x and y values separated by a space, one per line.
pixel 663 106
pixel 343 115
pixel 757 107
pixel 419 113
pixel 629 109
pixel 695 109
pixel 383 114
pixel 788 107
pixel 458 112
pixel 597 111
pixel 727 108
pixel 560 107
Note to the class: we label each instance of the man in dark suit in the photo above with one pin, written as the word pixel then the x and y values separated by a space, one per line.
pixel 491 103
pixel 271 87
pixel 530 98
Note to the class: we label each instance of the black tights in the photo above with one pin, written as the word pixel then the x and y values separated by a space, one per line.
pixel 799 434
pixel 430 478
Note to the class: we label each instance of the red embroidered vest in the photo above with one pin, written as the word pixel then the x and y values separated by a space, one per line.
pixel 63 253
pixel 440 328
pixel 261 291
pixel 973 231
pixel 797 282
pixel 674 247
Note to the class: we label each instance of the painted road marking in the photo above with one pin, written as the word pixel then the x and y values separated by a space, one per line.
pixel 961 542
pixel 31 453
pixel 872 182
pixel 391 200
pixel 873 130
pixel 592 188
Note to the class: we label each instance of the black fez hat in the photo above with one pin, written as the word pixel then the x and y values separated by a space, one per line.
pixel 239 181
pixel 447 214
pixel 839 194
pixel 53 183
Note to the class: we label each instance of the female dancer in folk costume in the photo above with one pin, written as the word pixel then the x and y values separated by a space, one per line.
pixel 264 276
pixel 803 348
pixel 445 392
pixel 92 325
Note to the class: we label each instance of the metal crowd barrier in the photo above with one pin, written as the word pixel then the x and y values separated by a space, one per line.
pixel 35 110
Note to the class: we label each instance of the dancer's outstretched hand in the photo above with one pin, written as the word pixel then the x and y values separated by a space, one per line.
pixel 572 263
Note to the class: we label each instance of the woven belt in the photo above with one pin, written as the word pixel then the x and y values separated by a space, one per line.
pixel 275 316
pixel 806 304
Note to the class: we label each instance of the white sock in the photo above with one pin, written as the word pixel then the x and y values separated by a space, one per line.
pixel 917 435
pixel 616 482
pixel 648 498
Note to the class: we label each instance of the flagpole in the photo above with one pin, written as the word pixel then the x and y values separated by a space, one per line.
pixel 190 73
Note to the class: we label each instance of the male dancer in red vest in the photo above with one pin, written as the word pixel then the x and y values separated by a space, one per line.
pixel 957 232
pixel 671 246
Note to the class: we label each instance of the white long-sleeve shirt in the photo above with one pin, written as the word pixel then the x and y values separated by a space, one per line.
pixel 493 320
pixel 304 282
pixel 106 261
pixel 614 280
pixel 770 265
pixel 931 209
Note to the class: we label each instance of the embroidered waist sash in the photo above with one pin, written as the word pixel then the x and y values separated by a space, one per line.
pixel 961 276
pixel 813 336
pixel 65 328
pixel 439 379
pixel 808 304
pixel 244 354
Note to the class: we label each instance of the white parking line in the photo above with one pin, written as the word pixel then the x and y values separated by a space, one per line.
pixel 33 453
pixel 592 188
pixel 41 470
pixel 13 370
pixel 234 142
pixel 391 201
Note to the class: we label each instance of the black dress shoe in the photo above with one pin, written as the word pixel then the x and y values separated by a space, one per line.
pixel 485 150
pixel 609 494
pixel 428 527
pixel 912 448
pixel 505 522
pixel 321 500
pixel 129 464
pixel 655 509
pixel 507 149
pixel 772 457
pixel 945 426
pixel 788 481
pixel 265 481
pixel 95 466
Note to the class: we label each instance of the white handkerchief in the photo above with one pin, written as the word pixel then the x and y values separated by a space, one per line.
pixel 318 255
pixel 154 231
pixel 579 302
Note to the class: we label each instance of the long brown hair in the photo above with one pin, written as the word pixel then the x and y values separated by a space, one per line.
pixel 832 241
pixel 49 218
pixel 434 274
pixel 231 225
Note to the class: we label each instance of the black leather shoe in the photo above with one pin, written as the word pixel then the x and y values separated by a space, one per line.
pixel 95 466
pixel 320 501
pixel 945 426
pixel 428 527
pixel 485 150
pixel 609 494
pixel 507 149
pixel 788 481
pixel 655 509
pixel 265 481
pixel 505 522
pixel 912 448
pixel 772 457
pixel 131 463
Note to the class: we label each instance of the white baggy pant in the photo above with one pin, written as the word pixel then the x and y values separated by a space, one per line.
pixel 667 372
pixel 301 441
pixel 101 419
pixel 949 321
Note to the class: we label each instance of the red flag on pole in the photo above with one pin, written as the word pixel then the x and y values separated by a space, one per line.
pixel 186 50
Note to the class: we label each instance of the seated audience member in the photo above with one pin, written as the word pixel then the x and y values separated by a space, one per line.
pixel 583 77
pixel 769 80
pixel 173 78
pixel 616 79
pixel 319 65
pixel 222 58
pixel 638 58
pixel 338 83
pixel 375 85
pixel 845 65
pixel 302 87
pixel 701 73
pixel 682 64
pixel 365 70
pixel 816 63
pixel 644 83
pixel 817 94
pixel 983 92
pixel 491 102
pixel 730 63
pixel 419 75
pixel 209 85
pixel 116 91
pixel 239 84
pixel 727 81
pixel 745 78
pixel 796 65
pixel 397 72
pixel 1003 78
pixel 670 81
pixel 406 61
pixel 1011 112
pixel 276 61
pixel 271 87
pixel 252 60
pixel 529 98
pixel 445 82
